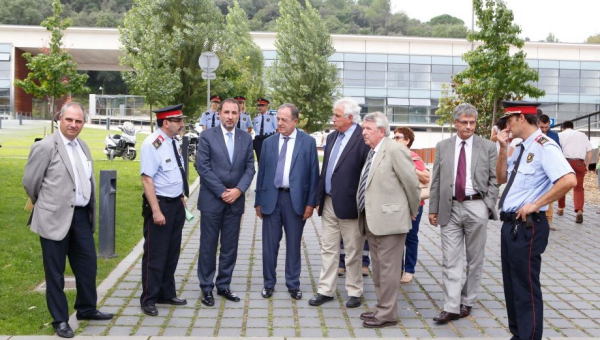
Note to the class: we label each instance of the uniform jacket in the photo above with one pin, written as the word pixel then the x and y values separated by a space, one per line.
pixel 217 173
pixel 50 184
pixel 345 176
pixel 304 174
pixel 483 176
pixel 392 194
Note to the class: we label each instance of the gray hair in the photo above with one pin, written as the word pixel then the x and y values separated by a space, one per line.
pixel 293 109
pixel 68 105
pixel 350 106
pixel 380 121
pixel 466 109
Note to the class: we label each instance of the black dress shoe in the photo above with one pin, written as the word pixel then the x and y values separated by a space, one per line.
pixel 173 301
pixel 208 299
pixel 353 302
pixel 465 311
pixel 267 292
pixel 64 330
pixel 96 315
pixel 150 310
pixel 367 316
pixel 376 323
pixel 296 294
pixel 229 295
pixel 319 299
pixel 445 317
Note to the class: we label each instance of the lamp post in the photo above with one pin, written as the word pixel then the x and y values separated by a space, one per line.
pixel 101 89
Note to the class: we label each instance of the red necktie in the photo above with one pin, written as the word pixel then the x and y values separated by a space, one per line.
pixel 461 174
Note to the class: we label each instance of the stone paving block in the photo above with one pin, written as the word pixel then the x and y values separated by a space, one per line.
pixel 257 332
pixel 231 322
pixel 572 333
pixel 444 333
pixel 311 333
pixel 470 332
pixel 258 313
pixel 257 323
pixel 233 313
pixel 208 312
pixel 338 333
pixel 180 322
pixel 149 331
pixel 306 322
pixel 497 332
pixel 205 323
pixel 131 311
pixel 308 312
pixel 183 312
pixel 120 330
pixel 153 321
pixel 174 332
pixel 93 330
pixel 110 309
pixel 285 332
pixel 415 333
pixel 336 322
pixel 283 322
pixel 121 293
pixel 127 320
pixel 411 323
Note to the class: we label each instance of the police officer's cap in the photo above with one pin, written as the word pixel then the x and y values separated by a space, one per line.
pixel 262 101
pixel 215 98
pixel 173 111
pixel 240 98
pixel 517 108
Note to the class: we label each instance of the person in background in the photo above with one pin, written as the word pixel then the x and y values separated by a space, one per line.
pixel 245 122
pixel 406 136
pixel 210 118
pixel 265 125
pixel 544 124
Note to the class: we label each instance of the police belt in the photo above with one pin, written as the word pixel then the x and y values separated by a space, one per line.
pixel 512 216
pixel 263 136
pixel 168 199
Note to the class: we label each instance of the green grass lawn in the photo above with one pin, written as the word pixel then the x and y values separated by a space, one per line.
pixel 23 311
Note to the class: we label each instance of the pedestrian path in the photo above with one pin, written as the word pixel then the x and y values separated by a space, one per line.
pixel 570 276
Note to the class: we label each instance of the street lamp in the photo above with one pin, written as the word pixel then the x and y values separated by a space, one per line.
pixel 101 89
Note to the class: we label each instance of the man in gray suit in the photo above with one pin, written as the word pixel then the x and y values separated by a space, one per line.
pixel 226 166
pixel 59 180
pixel 463 198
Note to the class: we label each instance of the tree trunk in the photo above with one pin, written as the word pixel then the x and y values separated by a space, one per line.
pixel 52 114
pixel 151 122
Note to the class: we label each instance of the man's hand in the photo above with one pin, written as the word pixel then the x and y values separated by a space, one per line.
pixel 433 219
pixel 159 218
pixel 526 210
pixel 258 213
pixel 231 195
pixel 503 137
pixel 308 211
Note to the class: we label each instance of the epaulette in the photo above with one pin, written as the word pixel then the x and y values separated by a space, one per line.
pixel 541 139
pixel 158 141
pixel 206 113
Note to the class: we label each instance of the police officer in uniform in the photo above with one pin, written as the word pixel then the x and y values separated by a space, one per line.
pixel 163 209
pixel 265 125
pixel 211 118
pixel 536 174
pixel 245 122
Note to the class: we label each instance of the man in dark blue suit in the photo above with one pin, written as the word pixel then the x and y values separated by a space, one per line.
pixel 286 186
pixel 338 184
pixel 225 164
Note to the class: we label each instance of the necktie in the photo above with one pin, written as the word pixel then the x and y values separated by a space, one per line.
pixel 363 182
pixel 186 189
pixel 84 188
pixel 513 174
pixel 262 125
pixel 461 174
pixel 239 121
pixel 230 146
pixel 281 164
pixel 213 119
pixel 331 163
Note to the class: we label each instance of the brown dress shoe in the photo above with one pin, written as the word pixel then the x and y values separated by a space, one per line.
pixel 376 323
pixel 445 317
pixel 367 316
pixel 560 211
pixel 341 272
pixel 579 218
pixel 365 271
pixel 465 311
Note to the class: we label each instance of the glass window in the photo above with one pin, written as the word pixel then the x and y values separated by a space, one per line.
pixel 569 73
pixel 458 61
pixel 4 101
pixel 355 57
pixel 420 68
pixel 549 89
pixel 402 84
pixel 396 58
pixel 437 85
pixel 590 90
pixel 548 72
pixel 420 94
pixel 338 64
pixel 458 69
pixel 4 92
pixel 548 81
pixel 5 84
pixel 420 76
pixel 590 99
pixel 4 56
pixel 549 64
pixel 441 77
pixel 377 58
pixel 354 82
pixel 354 92
pixel 590 74
pixel 590 65
pixel 570 65
pixel 337 57
pixel 441 69
pixel 532 63
pixel 5 48
pixel 269 62
pixel 568 89
pixel 441 60
pixel 568 81
pixel 376 91
pixel 420 59
pixel 354 66
pixel 436 94
pixel 376 67
pixel 418 114
pixel 4 65
pixel 399 114
pixel 340 74
pixel 590 82
pixel 420 84
pixel 568 107
pixel 5 74
pixel 270 54
pixel 398 76
pixel 354 74
pixel 376 75
pixel 398 67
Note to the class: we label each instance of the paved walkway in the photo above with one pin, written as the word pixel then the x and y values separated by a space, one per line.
pixel 570 276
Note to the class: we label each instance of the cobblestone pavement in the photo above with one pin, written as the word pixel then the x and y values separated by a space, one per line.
pixel 570 278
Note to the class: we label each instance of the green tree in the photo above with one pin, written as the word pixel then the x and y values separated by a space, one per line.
pixel 594 39
pixel 24 12
pixel 448 102
pixel 52 73
pixel 302 73
pixel 494 74
pixel 551 38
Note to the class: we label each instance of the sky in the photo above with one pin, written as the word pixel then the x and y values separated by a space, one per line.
pixel 570 21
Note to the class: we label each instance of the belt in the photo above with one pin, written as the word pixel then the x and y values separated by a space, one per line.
pixel 575 159
pixel 168 199
pixel 81 208
pixel 284 189
pixel 470 198
pixel 512 216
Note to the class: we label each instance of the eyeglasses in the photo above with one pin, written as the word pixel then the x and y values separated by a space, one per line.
pixel 466 122
pixel 259 105
pixel 398 137
pixel 175 120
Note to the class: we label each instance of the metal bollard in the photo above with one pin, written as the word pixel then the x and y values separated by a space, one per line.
pixel 20 119
pixel 108 200
pixel 1 119
pixel 184 153
pixel 107 123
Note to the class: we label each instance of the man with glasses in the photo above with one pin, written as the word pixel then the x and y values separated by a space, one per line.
pixel 245 122
pixel 463 198
pixel 265 125
pixel 211 118
pixel 165 188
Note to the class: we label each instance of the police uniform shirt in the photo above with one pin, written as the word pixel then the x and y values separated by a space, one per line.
pixel 541 165
pixel 207 119
pixel 245 121
pixel 158 161
pixel 80 200
pixel 270 124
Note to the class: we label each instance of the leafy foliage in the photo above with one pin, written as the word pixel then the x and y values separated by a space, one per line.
pixel 53 73
pixel 302 74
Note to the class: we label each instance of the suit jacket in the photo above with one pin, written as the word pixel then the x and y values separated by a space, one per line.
pixel 217 173
pixel 392 193
pixel 483 176
pixel 345 176
pixel 304 174
pixel 50 184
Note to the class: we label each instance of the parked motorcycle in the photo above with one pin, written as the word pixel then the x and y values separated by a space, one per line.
pixel 122 145
pixel 193 141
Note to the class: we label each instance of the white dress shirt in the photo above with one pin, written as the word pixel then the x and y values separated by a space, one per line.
pixel 468 153
pixel 575 144
pixel 224 130
pixel 80 201
pixel 344 142
pixel 288 157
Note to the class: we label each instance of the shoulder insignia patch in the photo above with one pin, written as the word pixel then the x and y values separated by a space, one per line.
pixel 268 120
pixel 158 141
pixel 530 157
pixel 542 140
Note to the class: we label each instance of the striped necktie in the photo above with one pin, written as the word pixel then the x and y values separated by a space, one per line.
pixel 363 182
